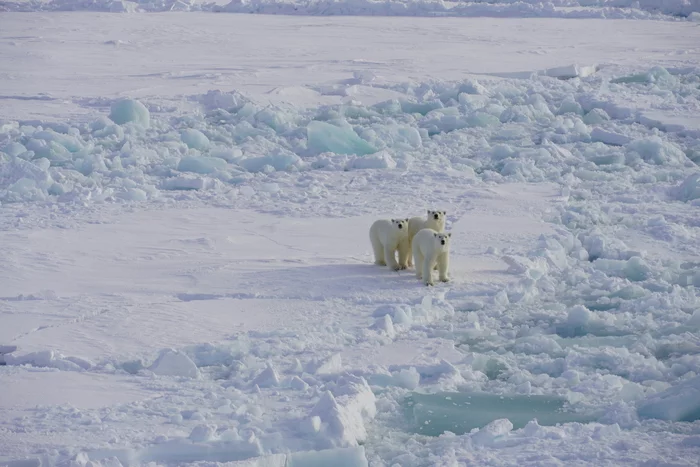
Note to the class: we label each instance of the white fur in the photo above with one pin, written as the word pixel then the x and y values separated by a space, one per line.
pixel 387 237
pixel 428 252
pixel 416 224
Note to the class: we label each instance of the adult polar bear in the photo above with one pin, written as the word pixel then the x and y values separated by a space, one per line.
pixel 435 220
pixel 431 248
pixel 388 236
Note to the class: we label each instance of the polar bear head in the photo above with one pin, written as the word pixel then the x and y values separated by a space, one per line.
pixel 442 240
pixel 401 224
pixel 438 216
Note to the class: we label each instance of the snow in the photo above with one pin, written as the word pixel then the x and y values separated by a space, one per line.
pixel 343 415
pixel 173 363
pixel 608 137
pixel 186 277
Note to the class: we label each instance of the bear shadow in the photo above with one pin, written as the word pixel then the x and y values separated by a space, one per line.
pixel 315 282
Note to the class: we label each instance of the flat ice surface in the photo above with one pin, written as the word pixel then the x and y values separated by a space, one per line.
pixel 64 61
pixel 224 272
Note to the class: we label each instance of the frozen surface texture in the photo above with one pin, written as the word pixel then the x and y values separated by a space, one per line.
pixel 185 272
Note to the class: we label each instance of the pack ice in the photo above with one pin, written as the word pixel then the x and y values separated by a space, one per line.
pixel 189 281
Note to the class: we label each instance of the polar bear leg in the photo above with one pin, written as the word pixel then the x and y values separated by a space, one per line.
pixel 378 249
pixel 404 254
pixel 409 262
pixel 418 261
pixel 390 257
pixel 443 264
pixel 427 268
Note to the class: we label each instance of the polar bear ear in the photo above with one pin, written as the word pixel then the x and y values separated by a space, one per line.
pixel 407 219
pixel 444 213
pixel 435 234
pixel 429 212
pixel 449 235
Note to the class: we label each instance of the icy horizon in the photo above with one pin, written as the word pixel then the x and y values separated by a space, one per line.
pixel 670 10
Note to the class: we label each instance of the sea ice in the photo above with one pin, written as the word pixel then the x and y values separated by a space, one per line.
pixel 422 108
pixel 459 413
pixel 679 403
pixel 14 149
pixel 325 137
pixel 657 75
pixel 657 151
pixel 186 182
pixel 340 457
pixel 278 161
pixel 609 137
pixel 130 110
pixel 195 139
pixel 380 160
pixel 344 410
pixel 596 117
pixel 173 363
pixel 571 71
pixel 201 164
pixel 329 365
pixel 690 188
pixel 267 378
pixel 386 326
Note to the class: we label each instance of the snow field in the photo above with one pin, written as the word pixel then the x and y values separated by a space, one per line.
pixel 260 310
pixel 604 271
pixel 183 57
pixel 197 287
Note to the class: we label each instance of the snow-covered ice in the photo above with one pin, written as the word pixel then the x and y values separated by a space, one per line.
pixel 185 195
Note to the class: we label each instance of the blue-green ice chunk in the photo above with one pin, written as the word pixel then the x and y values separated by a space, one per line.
pixel 459 413
pixel 194 139
pixel 324 137
pixel 201 164
pixel 130 110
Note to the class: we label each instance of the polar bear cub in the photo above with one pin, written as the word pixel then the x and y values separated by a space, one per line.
pixel 387 237
pixel 430 249
pixel 435 220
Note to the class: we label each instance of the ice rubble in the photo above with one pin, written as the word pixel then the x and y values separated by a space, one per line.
pixel 48 359
pixel 325 137
pixel 343 411
pixel 170 362
pixel 132 157
pixel 230 453
pixel 589 319
pixel 689 190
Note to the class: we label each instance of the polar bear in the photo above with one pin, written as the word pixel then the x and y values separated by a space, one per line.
pixel 435 220
pixel 388 236
pixel 431 248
